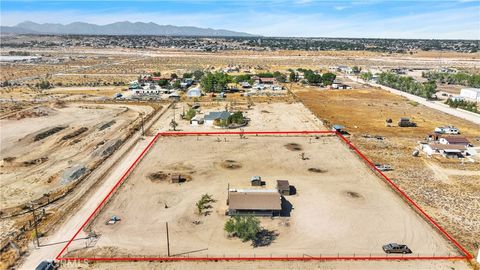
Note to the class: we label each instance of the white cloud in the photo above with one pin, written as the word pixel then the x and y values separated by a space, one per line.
pixel 448 23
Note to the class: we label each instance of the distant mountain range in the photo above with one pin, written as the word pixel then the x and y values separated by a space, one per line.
pixel 118 28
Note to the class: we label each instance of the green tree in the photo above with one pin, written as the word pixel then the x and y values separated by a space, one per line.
pixel 190 114
pixel 328 78
pixel 163 82
pixel 176 84
pixel 187 75
pixel 174 76
pixel 292 77
pixel 366 76
pixel 198 74
pixel 236 118
pixel 356 69
pixel 244 227
pixel 215 82
pixel 44 84
pixel 157 74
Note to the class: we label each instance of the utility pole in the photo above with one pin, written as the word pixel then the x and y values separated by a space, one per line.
pixel 35 225
pixel 143 130
pixel 168 241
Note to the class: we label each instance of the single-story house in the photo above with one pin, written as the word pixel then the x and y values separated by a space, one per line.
pixel 212 116
pixel 266 80
pixel 336 85
pixel 246 85
pixel 194 92
pixel 460 140
pixel 254 202
pixel 147 92
pixel 283 187
pixel 445 150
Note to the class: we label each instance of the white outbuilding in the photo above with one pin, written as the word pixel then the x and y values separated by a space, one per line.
pixel 470 93
pixel 194 92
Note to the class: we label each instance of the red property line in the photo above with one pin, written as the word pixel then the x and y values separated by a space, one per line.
pixel 108 195
pixel 124 176
pixel 306 258
pixel 467 254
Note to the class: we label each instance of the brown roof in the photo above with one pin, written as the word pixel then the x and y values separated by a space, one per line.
pixel 283 185
pixel 267 79
pixel 260 200
pixel 456 139
pixel 438 146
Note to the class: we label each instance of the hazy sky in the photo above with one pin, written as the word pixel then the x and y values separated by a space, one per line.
pixel 373 18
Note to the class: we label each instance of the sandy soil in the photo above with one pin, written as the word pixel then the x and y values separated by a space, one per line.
pixel 265 116
pixel 446 197
pixel 32 167
pixel 318 223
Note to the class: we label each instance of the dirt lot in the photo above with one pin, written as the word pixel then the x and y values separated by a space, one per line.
pixel 265 116
pixel 40 144
pixel 446 193
pixel 342 198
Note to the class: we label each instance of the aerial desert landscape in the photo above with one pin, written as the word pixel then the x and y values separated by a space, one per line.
pixel 167 147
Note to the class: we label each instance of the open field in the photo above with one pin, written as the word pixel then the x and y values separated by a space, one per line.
pixel 447 189
pixel 39 144
pixel 343 209
pixel 444 190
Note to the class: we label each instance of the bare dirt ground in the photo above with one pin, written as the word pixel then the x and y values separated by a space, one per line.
pixel 288 265
pixel 450 198
pixel 329 209
pixel 33 165
pixel 274 116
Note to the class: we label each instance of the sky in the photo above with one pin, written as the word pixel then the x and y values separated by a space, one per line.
pixel 426 19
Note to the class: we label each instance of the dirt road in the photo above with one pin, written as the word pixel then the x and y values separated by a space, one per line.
pixel 53 244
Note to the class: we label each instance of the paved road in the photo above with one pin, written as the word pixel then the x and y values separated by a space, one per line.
pixel 469 116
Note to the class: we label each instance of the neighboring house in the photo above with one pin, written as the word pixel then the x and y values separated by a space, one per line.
pixel 212 116
pixel 446 150
pixel 254 202
pixel 246 85
pixel 147 92
pixel 194 92
pixel 337 85
pixel 134 85
pixel 470 93
pixel 267 80
pixel 458 140
pixel 345 69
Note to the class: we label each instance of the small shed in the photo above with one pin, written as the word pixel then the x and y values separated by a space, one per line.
pixel 256 181
pixel 177 178
pixel 283 187
pixel 194 92
pixel 197 120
